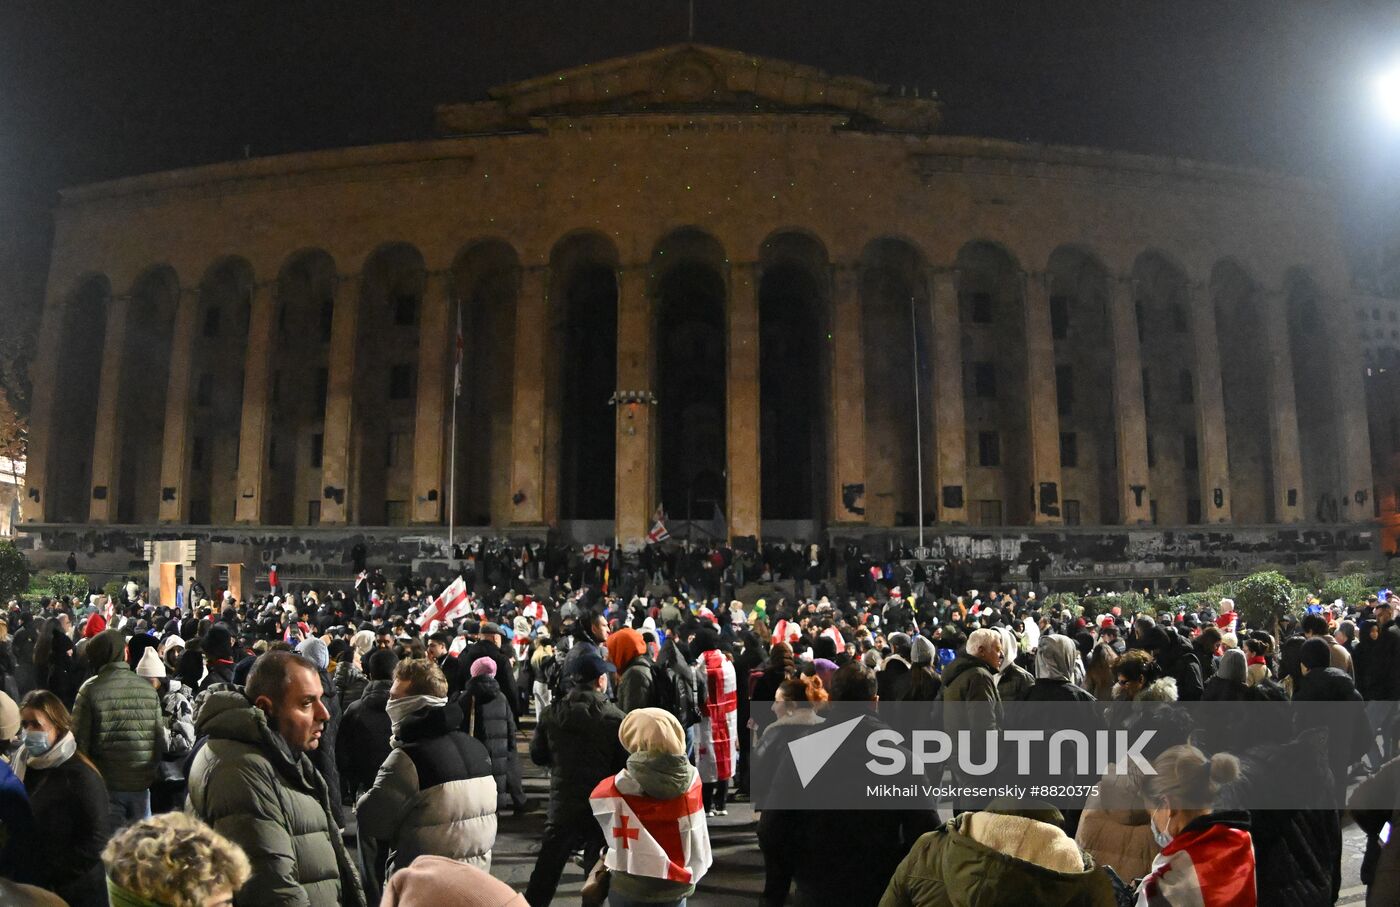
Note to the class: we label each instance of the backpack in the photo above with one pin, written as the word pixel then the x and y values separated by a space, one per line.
pixel 675 696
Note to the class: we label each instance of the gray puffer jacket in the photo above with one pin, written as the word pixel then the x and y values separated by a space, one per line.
pixel 249 785
pixel 435 794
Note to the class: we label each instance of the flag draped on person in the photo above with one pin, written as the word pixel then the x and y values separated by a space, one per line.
pixel 717 749
pixel 447 607
pixel 657 839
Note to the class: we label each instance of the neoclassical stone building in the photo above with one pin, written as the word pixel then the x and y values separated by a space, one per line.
pixel 698 279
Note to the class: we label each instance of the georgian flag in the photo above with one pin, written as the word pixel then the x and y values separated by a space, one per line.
pixel 596 552
pixel 534 610
pixel 450 605
pixel 656 839
pixel 787 631
pixel 835 636
pixel 658 533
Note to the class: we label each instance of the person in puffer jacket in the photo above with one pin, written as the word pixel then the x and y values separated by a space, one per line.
pixel 490 720
pixel 252 783
pixel 659 791
pixel 435 794
pixel 119 725
pixel 1007 854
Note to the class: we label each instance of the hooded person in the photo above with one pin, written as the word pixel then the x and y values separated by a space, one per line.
pixel 659 795
pixel 324 756
pixel 717 743
pixel 1013 681
pixel 1228 684
pixel 628 653
pixel 1055 659
pixel 118 724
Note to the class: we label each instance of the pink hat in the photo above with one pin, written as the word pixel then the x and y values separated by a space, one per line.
pixel 484 665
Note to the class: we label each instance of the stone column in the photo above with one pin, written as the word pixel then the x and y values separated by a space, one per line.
pixel 175 457
pixel 44 373
pixel 339 433
pixel 847 494
pixel 1129 408
pixel 742 407
pixel 528 408
pixel 635 475
pixel 433 419
pixel 1043 416
pixel 256 420
pixel 106 438
pixel 1212 440
pixel 1354 431
pixel 1287 461
pixel 949 423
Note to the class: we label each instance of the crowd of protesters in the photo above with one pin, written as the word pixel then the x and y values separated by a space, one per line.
pixel 217 753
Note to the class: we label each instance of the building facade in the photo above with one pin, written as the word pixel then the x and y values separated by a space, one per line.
pixel 735 289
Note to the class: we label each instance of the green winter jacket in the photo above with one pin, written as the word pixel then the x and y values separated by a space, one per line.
pixel 249 785
pixel 987 859
pixel 117 719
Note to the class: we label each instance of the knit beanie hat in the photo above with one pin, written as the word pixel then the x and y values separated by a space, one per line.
pixel 484 665
pixel 218 644
pixel 150 665
pixel 315 651
pixel 362 642
pixel 922 651
pixel 380 665
pixel 652 731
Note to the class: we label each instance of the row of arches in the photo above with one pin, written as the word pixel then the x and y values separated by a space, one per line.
pixel 690 284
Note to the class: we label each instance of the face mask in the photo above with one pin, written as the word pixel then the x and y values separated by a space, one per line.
pixel 37 743
pixel 1162 838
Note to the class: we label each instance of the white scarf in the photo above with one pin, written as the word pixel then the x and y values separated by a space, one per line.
pixel 58 754
pixel 399 709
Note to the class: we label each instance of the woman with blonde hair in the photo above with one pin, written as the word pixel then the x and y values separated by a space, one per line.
pixel 1206 857
pixel 173 860
pixel 68 800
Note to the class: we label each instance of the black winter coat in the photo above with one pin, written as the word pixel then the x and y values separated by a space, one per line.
pixel 489 719
pixel 71 826
pixel 577 738
pixel 505 674
pixel 324 756
pixel 1047 690
pixel 1179 661
pixel 363 742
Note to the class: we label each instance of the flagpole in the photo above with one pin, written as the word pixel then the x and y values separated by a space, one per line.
pixel 918 421
pixel 452 467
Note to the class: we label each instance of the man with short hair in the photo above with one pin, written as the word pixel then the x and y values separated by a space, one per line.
pixel 577 739
pixel 435 793
pixel 1314 626
pixel 488 645
pixel 252 781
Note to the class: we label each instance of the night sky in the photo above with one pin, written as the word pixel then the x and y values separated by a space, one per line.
pixel 93 90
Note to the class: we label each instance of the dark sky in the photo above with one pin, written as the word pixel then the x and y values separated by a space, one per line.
pixel 93 90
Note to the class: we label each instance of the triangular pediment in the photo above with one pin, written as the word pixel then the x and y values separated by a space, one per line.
pixel 693 78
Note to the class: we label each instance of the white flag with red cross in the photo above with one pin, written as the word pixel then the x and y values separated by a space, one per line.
pixel 447 607
pixel 596 552
pixel 658 839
